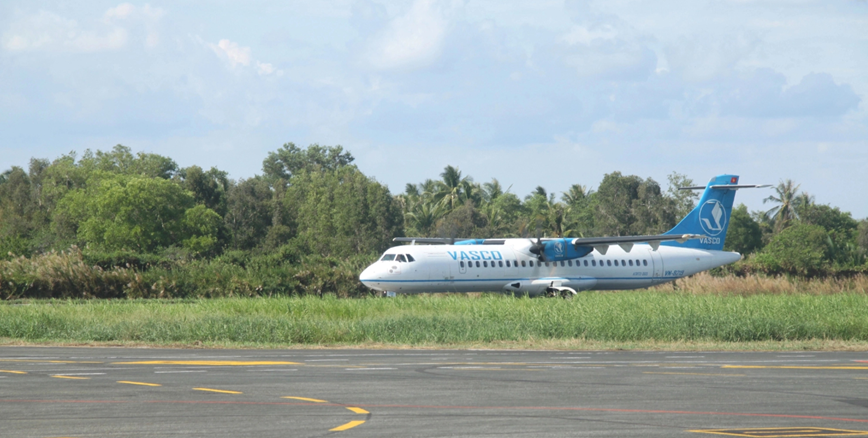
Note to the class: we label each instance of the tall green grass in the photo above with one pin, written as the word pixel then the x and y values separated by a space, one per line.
pixel 427 320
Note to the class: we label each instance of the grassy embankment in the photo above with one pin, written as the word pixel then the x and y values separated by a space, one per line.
pixel 753 312
pixel 636 319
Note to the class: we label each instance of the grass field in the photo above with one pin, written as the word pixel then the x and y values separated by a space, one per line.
pixel 639 319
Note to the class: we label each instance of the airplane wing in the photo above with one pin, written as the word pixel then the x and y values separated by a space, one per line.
pixel 601 244
pixel 427 240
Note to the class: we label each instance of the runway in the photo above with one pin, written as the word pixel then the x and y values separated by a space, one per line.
pixel 131 392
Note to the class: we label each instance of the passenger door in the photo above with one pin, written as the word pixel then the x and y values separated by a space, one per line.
pixel 657 261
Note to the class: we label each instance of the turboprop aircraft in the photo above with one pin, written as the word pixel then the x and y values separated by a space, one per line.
pixel 563 266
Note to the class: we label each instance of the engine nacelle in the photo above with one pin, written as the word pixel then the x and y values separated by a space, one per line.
pixel 563 249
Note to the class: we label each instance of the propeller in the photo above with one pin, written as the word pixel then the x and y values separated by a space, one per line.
pixel 538 248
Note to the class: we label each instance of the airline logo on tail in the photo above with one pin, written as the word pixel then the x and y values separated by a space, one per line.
pixel 712 217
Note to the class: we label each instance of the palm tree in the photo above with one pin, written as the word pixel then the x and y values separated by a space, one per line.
pixel 453 190
pixel 787 198
pixel 575 194
pixel 423 216
pixel 492 190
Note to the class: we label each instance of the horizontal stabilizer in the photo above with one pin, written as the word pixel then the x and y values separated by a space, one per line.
pixel 727 186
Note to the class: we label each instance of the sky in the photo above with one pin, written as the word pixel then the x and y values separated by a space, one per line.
pixel 532 93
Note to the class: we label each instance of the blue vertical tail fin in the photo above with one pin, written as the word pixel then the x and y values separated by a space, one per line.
pixel 711 216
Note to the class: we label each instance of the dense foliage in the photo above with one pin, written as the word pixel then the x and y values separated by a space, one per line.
pixel 146 227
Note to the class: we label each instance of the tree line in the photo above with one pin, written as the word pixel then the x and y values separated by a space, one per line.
pixel 313 207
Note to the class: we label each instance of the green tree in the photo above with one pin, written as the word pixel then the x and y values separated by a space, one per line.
pixel 744 235
pixel 122 212
pixel 575 195
pixel 16 202
pixel 787 198
pixel 654 213
pixel 800 249
pixel 208 188
pixel 842 231
pixel 285 162
pixel 454 189
pixel 463 222
pixel 120 160
pixel 685 200
pixel 202 227
pixel 629 205
pixel 421 218
pixel 342 212
pixel 249 212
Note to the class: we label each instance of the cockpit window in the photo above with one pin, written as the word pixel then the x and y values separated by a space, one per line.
pixel 410 258
pixel 388 257
pixel 401 258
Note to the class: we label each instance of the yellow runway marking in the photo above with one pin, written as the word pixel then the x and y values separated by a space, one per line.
pixel 70 377
pixel 695 374
pixel 222 391
pixel 780 432
pixel 473 369
pixel 349 425
pixel 13 372
pixel 794 367
pixel 217 363
pixel 314 400
pixel 138 383
pixel 359 410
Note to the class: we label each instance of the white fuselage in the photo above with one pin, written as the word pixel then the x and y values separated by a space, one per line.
pixel 511 267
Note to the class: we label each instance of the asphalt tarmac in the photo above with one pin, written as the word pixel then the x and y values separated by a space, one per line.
pixel 132 392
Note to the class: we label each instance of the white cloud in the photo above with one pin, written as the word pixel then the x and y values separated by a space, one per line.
pixel 264 68
pixel 122 10
pixel 410 40
pixel 49 31
pixel 237 55
pixel 232 52
pixel 46 30
pixel 584 35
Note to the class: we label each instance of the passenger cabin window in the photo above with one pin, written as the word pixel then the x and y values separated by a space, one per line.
pixel 500 263
pixel 461 264
pixel 410 258
pixel 593 263
pixel 523 264
pixel 631 262
pixel 569 263
pixel 530 263
pixel 401 258
pixel 608 263
pixel 562 263
pixel 644 262
pixel 586 263
pixel 477 264
pixel 388 257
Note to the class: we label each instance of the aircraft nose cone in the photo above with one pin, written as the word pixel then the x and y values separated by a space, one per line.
pixel 368 276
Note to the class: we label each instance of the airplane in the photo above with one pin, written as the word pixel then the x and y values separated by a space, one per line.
pixel 563 266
